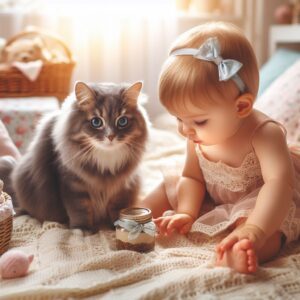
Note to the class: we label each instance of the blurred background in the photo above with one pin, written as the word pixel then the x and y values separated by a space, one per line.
pixel 128 40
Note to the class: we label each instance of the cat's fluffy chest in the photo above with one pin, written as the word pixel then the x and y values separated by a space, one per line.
pixel 104 193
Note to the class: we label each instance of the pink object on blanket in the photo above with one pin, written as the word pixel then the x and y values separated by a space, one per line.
pixel 14 263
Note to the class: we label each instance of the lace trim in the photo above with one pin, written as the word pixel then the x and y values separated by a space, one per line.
pixel 215 229
pixel 235 179
pixel 290 225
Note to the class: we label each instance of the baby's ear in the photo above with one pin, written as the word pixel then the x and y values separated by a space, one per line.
pixel 84 95
pixel 131 94
pixel 244 105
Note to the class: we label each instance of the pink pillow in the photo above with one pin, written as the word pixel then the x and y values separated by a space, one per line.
pixel 281 101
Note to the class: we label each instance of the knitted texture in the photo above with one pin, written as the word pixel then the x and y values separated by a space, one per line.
pixel 73 263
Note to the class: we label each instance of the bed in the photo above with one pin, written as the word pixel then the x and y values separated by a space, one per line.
pixel 72 264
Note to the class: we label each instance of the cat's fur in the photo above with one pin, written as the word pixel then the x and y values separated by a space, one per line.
pixel 73 172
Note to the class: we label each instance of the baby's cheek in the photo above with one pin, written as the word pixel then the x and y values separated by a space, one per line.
pixel 207 136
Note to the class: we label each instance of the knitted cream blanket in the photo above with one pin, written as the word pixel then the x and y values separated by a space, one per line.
pixel 72 264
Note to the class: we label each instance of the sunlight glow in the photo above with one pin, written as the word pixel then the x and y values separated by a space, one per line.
pixel 113 8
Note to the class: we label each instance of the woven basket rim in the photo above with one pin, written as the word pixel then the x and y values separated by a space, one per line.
pixel 40 33
pixel 8 66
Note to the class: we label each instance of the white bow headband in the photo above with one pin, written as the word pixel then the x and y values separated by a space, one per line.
pixel 210 51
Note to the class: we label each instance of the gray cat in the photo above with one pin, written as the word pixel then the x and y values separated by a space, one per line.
pixel 81 167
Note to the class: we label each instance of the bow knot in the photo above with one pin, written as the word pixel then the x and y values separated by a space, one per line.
pixel 210 51
pixel 218 60
pixel 134 228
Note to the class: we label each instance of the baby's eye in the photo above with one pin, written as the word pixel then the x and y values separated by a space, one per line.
pixel 179 120
pixel 200 123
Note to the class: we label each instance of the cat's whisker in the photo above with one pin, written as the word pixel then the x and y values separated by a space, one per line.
pixel 79 153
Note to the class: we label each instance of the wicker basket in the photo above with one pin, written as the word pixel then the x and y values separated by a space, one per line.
pixel 53 80
pixel 6 226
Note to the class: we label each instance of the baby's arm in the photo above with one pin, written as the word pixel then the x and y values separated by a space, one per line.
pixel 275 196
pixel 7 147
pixel 190 194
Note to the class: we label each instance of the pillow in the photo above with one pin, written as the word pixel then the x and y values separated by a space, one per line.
pixel 281 101
pixel 275 66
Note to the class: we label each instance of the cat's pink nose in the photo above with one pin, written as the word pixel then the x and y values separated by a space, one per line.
pixel 111 137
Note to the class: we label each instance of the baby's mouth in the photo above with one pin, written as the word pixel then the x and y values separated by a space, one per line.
pixel 195 140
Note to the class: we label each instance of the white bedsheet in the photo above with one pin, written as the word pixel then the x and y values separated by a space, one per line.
pixel 73 263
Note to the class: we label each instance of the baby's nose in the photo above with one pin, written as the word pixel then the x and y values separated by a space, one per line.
pixel 187 129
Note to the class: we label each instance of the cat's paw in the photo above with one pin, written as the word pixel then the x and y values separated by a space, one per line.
pixel 83 226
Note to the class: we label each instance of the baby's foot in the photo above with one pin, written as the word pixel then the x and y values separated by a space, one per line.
pixel 241 257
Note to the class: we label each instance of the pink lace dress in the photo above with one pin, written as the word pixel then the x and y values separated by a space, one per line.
pixel 232 193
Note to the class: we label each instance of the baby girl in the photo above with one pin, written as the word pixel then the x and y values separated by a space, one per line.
pixel 237 158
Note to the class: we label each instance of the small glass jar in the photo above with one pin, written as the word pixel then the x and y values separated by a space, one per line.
pixel 135 230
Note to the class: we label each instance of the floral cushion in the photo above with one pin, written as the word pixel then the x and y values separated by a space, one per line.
pixel 281 101
pixel 20 117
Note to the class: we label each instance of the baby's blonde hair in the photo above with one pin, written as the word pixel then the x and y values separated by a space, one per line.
pixel 186 78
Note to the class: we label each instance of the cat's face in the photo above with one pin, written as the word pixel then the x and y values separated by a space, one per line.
pixel 109 116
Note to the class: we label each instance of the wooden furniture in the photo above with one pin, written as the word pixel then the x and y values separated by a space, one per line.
pixel 287 36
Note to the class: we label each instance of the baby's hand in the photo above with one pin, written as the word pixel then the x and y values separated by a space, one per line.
pixel 180 222
pixel 246 231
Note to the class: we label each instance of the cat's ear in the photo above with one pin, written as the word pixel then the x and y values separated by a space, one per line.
pixel 132 93
pixel 84 95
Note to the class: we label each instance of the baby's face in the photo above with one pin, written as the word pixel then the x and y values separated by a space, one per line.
pixel 210 125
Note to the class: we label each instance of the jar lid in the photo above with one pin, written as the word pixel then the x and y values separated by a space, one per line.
pixel 138 214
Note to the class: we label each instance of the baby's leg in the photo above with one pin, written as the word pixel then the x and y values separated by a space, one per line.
pixel 244 258
pixel 157 201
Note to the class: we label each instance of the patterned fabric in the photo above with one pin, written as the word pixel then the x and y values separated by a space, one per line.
pixel 20 117
pixel 242 179
pixel 276 65
pixel 281 101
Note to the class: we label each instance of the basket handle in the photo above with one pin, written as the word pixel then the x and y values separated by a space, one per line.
pixel 40 34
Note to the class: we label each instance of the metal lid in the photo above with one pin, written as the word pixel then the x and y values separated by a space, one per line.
pixel 138 214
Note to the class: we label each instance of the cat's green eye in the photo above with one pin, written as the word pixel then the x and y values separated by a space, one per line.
pixel 97 122
pixel 122 122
